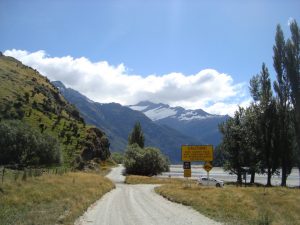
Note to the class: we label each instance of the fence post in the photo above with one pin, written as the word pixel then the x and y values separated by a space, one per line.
pixel 24 175
pixel 3 171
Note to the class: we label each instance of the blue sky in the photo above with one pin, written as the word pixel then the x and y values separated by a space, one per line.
pixel 151 37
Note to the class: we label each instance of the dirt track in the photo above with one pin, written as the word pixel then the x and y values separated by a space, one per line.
pixel 138 205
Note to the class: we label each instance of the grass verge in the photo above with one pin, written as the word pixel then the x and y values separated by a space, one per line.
pixel 236 205
pixel 134 179
pixel 50 199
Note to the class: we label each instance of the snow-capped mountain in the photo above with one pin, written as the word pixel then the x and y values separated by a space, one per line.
pixel 195 123
pixel 117 121
pixel 162 111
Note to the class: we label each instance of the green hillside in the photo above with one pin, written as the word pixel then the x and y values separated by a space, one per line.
pixel 28 96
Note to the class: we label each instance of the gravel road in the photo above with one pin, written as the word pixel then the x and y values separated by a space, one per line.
pixel 138 205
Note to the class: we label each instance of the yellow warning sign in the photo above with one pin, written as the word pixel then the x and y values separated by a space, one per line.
pixel 194 153
pixel 187 172
pixel 207 166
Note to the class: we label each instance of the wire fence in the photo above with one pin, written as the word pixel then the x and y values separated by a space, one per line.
pixel 9 175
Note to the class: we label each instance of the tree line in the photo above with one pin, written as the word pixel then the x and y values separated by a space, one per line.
pixel 265 136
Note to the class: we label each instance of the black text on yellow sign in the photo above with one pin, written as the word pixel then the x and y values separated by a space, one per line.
pixel 193 153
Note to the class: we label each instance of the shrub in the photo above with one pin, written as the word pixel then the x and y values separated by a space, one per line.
pixel 118 157
pixel 148 161
pixel 22 145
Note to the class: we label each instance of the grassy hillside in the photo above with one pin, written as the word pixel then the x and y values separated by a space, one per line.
pixel 28 96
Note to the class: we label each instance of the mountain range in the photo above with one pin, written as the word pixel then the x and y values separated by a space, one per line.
pixel 194 123
pixel 164 127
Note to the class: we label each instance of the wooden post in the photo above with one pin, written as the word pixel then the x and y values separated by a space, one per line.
pixel 3 171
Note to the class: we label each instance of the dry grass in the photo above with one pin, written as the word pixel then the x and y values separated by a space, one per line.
pixel 50 199
pixel 134 179
pixel 236 205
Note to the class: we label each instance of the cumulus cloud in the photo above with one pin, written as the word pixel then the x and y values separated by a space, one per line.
pixel 209 89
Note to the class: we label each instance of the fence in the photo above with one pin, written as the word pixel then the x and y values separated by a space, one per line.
pixel 27 173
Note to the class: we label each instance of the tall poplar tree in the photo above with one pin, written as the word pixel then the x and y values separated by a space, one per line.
pixel 293 74
pixel 282 89
pixel 260 87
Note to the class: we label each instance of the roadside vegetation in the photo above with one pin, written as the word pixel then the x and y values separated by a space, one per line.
pixel 236 205
pixel 117 157
pixel 42 139
pixel 265 136
pixel 256 205
pixel 51 198
pixel 140 160
pixel 23 146
pixel 135 179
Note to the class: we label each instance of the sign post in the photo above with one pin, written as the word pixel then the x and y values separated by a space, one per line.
pixel 195 153
pixel 187 169
pixel 207 166
pixel 187 172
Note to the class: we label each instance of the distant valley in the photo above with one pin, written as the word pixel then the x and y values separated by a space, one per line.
pixel 164 127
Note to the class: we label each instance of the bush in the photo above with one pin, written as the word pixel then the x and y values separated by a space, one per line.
pixel 22 145
pixel 148 161
pixel 118 157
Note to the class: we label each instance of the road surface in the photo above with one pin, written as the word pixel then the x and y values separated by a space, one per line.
pixel 138 205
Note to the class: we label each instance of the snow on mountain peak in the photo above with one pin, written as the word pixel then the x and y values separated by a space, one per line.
pixel 162 111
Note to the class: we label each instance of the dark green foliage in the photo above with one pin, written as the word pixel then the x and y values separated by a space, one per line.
pixel 219 157
pixel 284 139
pixel 96 145
pixel 22 145
pixel 292 64
pixel 118 157
pixel 267 119
pixel 148 161
pixel 233 144
pixel 264 136
pixel 137 136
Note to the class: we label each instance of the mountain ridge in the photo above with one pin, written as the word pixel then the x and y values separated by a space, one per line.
pixel 194 123
pixel 117 122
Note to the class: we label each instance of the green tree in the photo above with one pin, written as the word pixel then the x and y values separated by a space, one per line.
pixel 219 157
pixel 282 89
pixel 252 138
pixel 292 56
pixel 22 145
pixel 232 145
pixel 118 157
pixel 137 136
pixel 148 161
pixel 260 87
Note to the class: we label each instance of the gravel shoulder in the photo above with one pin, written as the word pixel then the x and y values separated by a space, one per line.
pixel 138 205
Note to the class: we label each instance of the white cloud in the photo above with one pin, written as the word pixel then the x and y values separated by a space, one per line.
pixel 102 82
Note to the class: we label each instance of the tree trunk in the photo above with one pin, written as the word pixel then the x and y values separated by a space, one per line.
pixel 239 177
pixel 284 172
pixel 269 177
pixel 252 180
